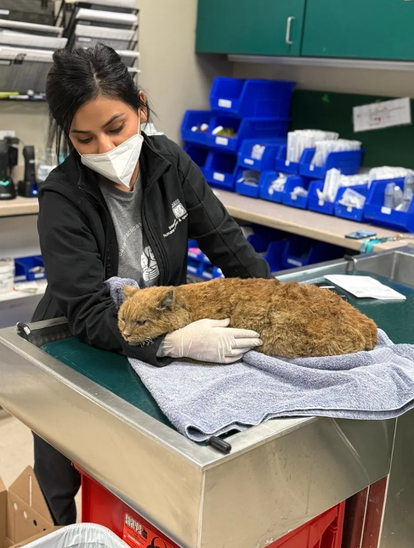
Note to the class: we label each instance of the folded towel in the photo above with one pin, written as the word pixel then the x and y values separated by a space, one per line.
pixel 217 399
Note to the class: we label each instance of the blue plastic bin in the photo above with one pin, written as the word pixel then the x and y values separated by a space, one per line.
pixel 245 129
pixel 314 204
pixel 265 192
pixel 266 162
pixel 195 118
pixel 23 266
pixel 198 154
pixel 282 164
pixel 209 272
pixel 194 252
pixel 195 267
pixel 380 215
pixel 274 255
pixel 251 98
pixel 247 189
pixel 292 182
pixel 303 251
pixel 348 162
pixel 220 170
pixel 351 213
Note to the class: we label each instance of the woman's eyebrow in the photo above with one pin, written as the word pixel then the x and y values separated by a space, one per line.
pixel 106 124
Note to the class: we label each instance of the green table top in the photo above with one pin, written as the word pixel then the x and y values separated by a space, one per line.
pixel 113 372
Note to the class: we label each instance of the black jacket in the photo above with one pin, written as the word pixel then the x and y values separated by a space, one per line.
pixel 80 250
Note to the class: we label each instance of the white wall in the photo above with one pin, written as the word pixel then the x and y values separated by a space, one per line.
pixel 370 82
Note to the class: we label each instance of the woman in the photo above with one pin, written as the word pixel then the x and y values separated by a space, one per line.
pixel 123 204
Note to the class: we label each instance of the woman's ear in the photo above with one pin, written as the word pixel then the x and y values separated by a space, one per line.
pixel 129 291
pixel 143 113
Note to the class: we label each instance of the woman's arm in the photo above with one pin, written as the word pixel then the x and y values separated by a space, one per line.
pixel 217 234
pixel 76 277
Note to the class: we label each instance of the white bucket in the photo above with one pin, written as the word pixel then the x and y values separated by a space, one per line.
pixel 6 275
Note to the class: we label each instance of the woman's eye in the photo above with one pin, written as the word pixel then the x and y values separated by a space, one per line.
pixel 85 141
pixel 117 130
pixel 142 322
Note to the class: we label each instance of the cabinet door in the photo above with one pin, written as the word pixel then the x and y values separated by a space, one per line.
pixel 370 29
pixel 250 27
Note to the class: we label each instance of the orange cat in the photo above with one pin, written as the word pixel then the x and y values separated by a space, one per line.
pixel 293 320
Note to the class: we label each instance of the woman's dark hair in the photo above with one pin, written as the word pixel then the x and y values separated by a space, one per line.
pixel 82 75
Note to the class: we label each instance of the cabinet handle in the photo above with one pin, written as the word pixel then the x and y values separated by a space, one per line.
pixel 288 28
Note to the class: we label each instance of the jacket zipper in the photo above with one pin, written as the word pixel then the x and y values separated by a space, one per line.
pixel 158 249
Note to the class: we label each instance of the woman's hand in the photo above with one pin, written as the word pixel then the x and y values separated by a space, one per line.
pixel 210 341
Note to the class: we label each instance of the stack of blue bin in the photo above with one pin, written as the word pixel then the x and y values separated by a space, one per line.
pixel 256 110
pixel 281 251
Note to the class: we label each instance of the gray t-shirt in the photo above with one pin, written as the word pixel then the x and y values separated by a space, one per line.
pixel 136 259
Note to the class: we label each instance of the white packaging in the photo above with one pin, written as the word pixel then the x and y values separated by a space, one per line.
pixel 6 275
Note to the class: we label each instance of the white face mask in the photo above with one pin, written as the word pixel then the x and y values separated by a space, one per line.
pixel 118 164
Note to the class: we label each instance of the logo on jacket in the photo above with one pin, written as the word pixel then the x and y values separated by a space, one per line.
pixel 150 270
pixel 178 209
pixel 180 213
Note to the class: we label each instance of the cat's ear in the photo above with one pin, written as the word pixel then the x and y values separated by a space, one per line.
pixel 129 291
pixel 167 301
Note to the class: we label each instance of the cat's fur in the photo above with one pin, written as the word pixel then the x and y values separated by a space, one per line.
pixel 293 320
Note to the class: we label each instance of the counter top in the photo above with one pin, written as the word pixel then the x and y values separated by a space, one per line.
pixel 19 206
pixel 324 228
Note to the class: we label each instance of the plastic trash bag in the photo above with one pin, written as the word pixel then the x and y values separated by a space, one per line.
pixel 82 535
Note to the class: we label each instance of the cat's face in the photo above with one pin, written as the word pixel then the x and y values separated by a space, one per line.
pixel 149 313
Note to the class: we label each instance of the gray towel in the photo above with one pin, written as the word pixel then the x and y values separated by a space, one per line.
pixel 217 399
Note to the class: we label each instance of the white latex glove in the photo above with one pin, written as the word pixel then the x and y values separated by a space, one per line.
pixel 210 341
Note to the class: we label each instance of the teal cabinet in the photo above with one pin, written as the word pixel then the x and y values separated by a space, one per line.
pixel 250 27
pixel 365 29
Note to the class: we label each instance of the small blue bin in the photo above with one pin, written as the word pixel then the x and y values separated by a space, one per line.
pixel 378 214
pixel 220 170
pixel 315 204
pixel 24 265
pixel 274 255
pixel 283 165
pixel 265 192
pixel 210 272
pixel 198 154
pixel 194 252
pixel 195 118
pixel 266 162
pixel 245 129
pixel 251 98
pixel 246 189
pixel 348 162
pixel 303 251
pixel 195 267
pixel 293 182
pixel 347 212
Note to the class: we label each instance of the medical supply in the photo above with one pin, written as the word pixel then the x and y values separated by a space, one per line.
pixel 326 147
pixel 249 177
pixel 278 184
pixel 352 199
pixel 393 197
pixel 408 192
pixel 300 139
pixel 203 128
pixel 298 191
pixel 224 131
pixel 387 172
pixel 6 275
pixel 334 180
pixel 258 151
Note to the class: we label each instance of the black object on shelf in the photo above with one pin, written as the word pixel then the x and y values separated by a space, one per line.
pixel 27 188
pixel 7 188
